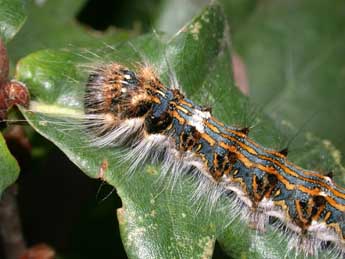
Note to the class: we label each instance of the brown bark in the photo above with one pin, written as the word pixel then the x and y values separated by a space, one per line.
pixel 10 226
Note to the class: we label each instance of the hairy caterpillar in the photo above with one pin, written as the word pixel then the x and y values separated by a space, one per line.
pixel 136 110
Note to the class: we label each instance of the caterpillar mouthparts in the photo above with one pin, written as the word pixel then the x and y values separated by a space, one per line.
pixel 136 109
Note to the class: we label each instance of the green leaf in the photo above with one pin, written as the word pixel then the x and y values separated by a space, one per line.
pixel 12 18
pixel 237 11
pixel 294 53
pixel 166 20
pixel 9 169
pixel 157 220
pixel 169 22
pixel 52 24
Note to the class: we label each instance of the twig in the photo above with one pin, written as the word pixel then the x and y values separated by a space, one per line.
pixel 10 226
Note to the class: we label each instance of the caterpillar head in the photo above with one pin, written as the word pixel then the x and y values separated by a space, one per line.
pixel 114 95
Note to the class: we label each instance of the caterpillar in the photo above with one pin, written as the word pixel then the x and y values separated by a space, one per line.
pixel 159 123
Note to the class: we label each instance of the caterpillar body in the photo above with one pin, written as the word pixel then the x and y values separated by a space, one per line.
pixel 135 109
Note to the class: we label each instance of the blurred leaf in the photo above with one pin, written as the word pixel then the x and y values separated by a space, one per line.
pixel 237 11
pixel 9 169
pixel 52 24
pixel 157 220
pixel 12 18
pixel 175 13
pixel 294 55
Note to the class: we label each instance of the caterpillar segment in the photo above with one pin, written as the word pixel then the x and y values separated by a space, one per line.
pixel 303 203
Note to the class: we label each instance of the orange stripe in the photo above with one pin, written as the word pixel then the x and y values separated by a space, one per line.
pixel 182 109
pixel 300 213
pixel 183 101
pixel 293 173
pixel 255 189
pixel 217 121
pixel 328 215
pixel 316 217
pixel 286 169
pixel 206 137
pixel 288 185
pixel 273 171
pixel 282 179
pixel 231 149
pixel 178 117
pixel 211 127
pixel 244 146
